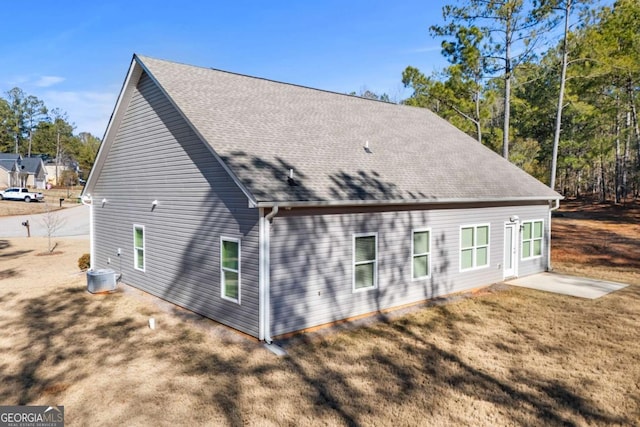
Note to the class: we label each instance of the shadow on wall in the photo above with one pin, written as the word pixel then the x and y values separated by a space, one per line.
pixel 223 210
pixel 316 285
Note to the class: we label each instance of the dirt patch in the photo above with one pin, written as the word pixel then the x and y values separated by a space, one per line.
pixel 506 356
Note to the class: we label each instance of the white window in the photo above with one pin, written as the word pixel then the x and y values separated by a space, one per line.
pixel 421 254
pixel 230 269
pixel 532 239
pixel 138 247
pixel 474 246
pixel 365 261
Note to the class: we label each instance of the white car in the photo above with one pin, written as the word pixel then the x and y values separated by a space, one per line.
pixel 18 193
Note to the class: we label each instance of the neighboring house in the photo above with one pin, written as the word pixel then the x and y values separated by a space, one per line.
pixel 32 173
pixel 54 173
pixel 18 171
pixel 274 208
pixel 8 170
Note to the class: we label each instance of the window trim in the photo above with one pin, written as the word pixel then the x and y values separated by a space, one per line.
pixel 522 239
pixel 143 248
pixel 223 269
pixel 353 262
pixel 413 255
pixel 474 247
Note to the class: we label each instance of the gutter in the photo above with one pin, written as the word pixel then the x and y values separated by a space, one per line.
pixel 265 278
pixel 88 201
pixel 321 203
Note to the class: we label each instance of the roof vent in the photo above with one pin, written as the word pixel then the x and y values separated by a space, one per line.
pixel 290 180
pixel 366 147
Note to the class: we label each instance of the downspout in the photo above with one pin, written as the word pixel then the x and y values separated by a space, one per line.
pixel 265 275
pixel 273 213
pixel 557 205
pixel 88 201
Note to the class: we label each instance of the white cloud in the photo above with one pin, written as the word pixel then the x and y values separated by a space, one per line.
pixel 88 111
pixel 424 49
pixel 15 81
pixel 47 81
pixel 28 82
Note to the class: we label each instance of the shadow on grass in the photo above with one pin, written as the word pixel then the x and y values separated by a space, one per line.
pixel 400 364
pixel 8 273
pixel 607 212
pixel 5 244
pixel 595 245
pixel 547 401
pixel 353 377
pixel 55 334
pixel 65 337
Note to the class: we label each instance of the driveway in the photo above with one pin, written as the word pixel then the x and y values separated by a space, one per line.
pixel 567 285
pixel 70 222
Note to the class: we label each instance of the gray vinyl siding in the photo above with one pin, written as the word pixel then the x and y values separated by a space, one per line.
pixel 312 260
pixel 157 156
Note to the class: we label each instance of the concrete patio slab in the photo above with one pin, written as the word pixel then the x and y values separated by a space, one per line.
pixel 567 285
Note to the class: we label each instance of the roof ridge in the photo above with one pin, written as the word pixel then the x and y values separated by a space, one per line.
pixel 233 73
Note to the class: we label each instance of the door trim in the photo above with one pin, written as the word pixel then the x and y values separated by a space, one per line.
pixel 515 227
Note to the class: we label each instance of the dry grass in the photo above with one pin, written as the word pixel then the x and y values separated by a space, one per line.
pixel 509 356
pixel 51 200
pixel 599 240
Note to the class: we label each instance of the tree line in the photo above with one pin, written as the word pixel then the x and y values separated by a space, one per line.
pixel 29 128
pixel 552 85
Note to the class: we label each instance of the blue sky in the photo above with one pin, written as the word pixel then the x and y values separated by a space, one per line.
pixel 74 54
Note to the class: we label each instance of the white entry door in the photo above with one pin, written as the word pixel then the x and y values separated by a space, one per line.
pixel 510 250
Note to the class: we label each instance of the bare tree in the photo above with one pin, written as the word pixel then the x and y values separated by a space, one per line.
pixel 52 223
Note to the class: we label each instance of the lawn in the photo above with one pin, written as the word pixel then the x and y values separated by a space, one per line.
pixel 504 356
pixel 51 202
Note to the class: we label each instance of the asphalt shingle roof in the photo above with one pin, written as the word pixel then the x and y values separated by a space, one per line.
pixel 30 164
pixel 262 129
pixel 7 164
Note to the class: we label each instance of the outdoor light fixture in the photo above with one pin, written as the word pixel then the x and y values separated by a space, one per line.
pixel 514 218
pixel 154 204
pixel 104 202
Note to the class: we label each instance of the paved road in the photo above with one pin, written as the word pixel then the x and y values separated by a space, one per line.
pixel 72 222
